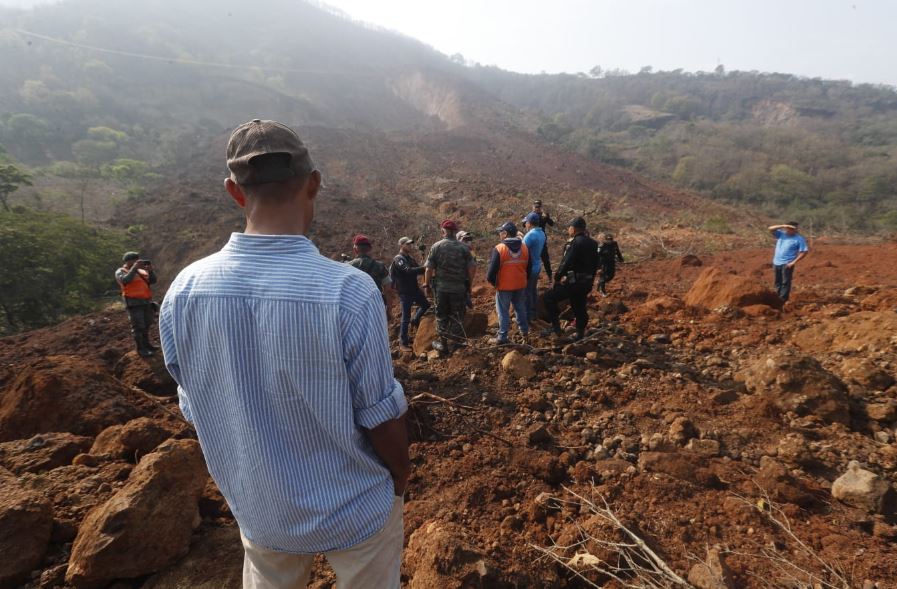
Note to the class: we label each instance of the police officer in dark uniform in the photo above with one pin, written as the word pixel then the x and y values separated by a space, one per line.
pixel 574 278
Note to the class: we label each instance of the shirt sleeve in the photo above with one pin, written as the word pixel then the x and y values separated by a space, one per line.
pixel 431 258
pixel 166 338
pixel 803 245
pixel 376 395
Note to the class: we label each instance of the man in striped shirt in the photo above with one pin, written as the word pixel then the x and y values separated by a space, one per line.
pixel 283 365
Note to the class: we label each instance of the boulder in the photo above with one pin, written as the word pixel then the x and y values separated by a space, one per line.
pixel 147 374
pixel 67 394
pixel 215 561
pixel 518 365
pixel 690 260
pixel 798 383
pixel 715 288
pixel 42 452
pixel 147 524
pixel 134 439
pixel 864 489
pixel 884 411
pixel 438 555
pixel 682 430
pixel 475 325
pixel 26 523
pixel 704 447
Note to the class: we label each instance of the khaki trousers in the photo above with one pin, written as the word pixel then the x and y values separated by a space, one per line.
pixel 372 564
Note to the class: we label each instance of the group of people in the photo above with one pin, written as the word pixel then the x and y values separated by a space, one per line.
pixel 283 361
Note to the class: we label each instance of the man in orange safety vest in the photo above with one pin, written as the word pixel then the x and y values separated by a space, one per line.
pixel 134 278
pixel 510 266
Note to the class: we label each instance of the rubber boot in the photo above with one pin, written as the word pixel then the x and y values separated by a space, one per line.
pixel 142 350
pixel 147 344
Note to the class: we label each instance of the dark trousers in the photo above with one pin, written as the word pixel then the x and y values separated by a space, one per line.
pixel 608 271
pixel 142 317
pixel 450 310
pixel 409 300
pixel 783 280
pixel 546 260
pixel 577 294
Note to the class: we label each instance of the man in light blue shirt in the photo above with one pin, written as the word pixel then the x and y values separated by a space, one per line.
pixel 534 240
pixel 283 365
pixel 791 247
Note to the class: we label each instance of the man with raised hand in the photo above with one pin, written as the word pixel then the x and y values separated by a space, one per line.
pixel 283 365
pixel 791 248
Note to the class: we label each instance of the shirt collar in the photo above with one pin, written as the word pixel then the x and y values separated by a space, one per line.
pixel 268 244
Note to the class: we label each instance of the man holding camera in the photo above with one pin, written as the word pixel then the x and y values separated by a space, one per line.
pixel 135 277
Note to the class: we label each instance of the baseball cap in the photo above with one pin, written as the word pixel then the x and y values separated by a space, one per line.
pixel 608 237
pixel 449 224
pixel 577 223
pixel 532 219
pixel 405 240
pixel 361 240
pixel 509 227
pixel 462 235
pixel 266 151
pixel 130 256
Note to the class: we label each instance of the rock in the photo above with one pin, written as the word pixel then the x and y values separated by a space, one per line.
pixel 712 573
pixel 864 489
pixel 783 486
pixel 589 379
pixel 679 466
pixel 147 374
pixel 42 452
pixel 438 555
pixel 26 523
pixel 715 288
pixel 147 524
pixel 882 437
pixel 135 438
pixel 798 383
pixel 885 411
pixel 703 447
pixel 53 577
pixel 537 434
pixel 475 325
pixel 664 305
pixel 793 449
pixel 866 373
pixel 66 394
pixel 682 430
pixel 215 561
pixel 518 365
pixel 661 338
pixel 690 260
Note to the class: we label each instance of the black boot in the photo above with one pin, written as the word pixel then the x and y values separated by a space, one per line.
pixel 147 344
pixel 142 350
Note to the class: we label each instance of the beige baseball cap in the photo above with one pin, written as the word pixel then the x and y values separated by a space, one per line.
pixel 266 151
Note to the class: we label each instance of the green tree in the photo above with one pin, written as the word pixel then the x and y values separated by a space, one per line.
pixel 11 178
pixel 53 266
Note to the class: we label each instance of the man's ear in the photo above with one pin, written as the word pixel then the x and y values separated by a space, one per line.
pixel 313 184
pixel 235 192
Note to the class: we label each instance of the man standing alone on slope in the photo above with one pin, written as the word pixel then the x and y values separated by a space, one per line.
pixel 791 247
pixel 404 272
pixel 134 278
pixel 283 365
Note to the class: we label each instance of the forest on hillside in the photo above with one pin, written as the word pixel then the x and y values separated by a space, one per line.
pixel 820 150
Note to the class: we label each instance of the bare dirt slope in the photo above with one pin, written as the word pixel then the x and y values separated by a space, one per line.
pixel 700 427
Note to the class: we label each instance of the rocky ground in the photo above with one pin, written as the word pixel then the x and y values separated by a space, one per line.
pixel 741 444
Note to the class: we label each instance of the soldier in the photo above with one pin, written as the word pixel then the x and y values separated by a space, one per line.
pixel 134 278
pixel 404 272
pixel 574 278
pixel 608 254
pixel 361 246
pixel 449 275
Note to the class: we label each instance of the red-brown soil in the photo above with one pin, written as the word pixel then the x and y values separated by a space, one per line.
pixel 658 413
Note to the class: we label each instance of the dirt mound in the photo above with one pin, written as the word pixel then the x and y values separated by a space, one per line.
pixel 475 325
pixel 66 394
pixel 715 288
pixel 147 374
pixel 26 522
pixel 864 331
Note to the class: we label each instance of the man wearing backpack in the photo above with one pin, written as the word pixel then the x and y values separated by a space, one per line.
pixel 361 245
pixel 403 272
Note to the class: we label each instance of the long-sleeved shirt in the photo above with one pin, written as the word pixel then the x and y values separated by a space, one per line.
pixel 404 271
pixel 609 253
pixel 580 257
pixel 494 267
pixel 282 358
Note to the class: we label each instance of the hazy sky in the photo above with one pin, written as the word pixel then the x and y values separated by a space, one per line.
pixel 840 39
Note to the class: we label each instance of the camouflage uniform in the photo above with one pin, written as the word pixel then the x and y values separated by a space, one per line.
pixel 451 260
pixel 374 269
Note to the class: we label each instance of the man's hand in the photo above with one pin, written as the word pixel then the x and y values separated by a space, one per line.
pixel 390 442
pixel 791 264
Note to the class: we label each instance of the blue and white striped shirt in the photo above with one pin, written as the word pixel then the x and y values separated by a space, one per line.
pixel 281 357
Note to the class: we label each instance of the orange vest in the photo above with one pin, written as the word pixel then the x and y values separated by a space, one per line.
pixel 139 288
pixel 512 268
